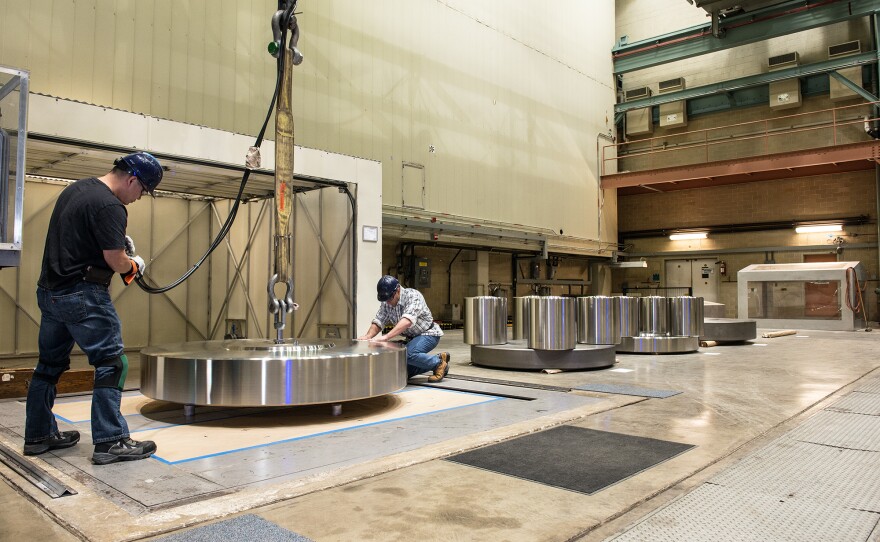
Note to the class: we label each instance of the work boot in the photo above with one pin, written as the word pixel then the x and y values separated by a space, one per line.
pixel 64 439
pixel 122 450
pixel 442 368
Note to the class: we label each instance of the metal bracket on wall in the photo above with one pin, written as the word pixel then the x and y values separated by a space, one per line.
pixel 47 483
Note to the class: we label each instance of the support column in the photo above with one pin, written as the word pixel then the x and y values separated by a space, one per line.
pixel 478 282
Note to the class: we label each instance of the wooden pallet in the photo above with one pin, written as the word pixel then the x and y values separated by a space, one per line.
pixel 14 382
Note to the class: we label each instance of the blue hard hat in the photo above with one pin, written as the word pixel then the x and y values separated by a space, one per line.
pixel 144 166
pixel 386 287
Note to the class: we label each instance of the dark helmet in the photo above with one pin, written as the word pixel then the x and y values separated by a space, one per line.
pixel 144 166
pixel 386 287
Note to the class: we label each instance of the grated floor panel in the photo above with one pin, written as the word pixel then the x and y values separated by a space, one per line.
pixel 819 481
pixel 719 514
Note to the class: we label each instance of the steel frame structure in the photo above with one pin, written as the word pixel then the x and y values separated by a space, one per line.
pixel 10 242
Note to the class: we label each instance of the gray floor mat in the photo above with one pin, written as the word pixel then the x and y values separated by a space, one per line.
pixel 573 458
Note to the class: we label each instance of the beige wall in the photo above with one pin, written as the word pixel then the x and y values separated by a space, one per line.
pixel 509 97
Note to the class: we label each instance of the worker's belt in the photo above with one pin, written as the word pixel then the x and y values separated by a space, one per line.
pixel 97 275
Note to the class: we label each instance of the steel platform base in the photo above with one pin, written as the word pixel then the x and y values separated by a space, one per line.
pixel 658 345
pixel 517 355
pixel 260 372
pixel 729 330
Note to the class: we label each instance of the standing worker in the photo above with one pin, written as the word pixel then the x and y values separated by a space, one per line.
pixel 85 245
pixel 407 310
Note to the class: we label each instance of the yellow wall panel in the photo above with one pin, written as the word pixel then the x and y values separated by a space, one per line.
pixel 161 59
pixel 123 58
pixel 104 53
pixel 84 50
pixel 142 65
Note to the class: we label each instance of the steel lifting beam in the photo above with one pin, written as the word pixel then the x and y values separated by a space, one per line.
pixel 853 87
pixel 828 66
pixel 759 25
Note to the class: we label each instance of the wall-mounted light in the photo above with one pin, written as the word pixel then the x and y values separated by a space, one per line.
pixel 819 228
pixel 683 236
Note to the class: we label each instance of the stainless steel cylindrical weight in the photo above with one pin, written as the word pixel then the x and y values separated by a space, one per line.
pixel 627 315
pixel 686 316
pixel 521 317
pixel 552 323
pixel 485 320
pixel 597 320
pixel 653 316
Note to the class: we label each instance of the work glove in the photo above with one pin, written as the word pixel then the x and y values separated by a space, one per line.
pixel 137 269
pixel 129 247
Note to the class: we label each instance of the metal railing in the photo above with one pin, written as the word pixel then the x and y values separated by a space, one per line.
pixel 830 127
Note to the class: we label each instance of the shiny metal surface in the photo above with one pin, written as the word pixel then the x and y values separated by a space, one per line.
pixel 654 315
pixel 729 330
pixel 658 345
pixel 517 355
pixel 552 323
pixel 485 320
pixel 685 316
pixel 521 317
pixel 258 372
pixel 597 320
pixel 627 315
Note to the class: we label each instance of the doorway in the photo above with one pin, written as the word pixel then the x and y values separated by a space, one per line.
pixel 821 297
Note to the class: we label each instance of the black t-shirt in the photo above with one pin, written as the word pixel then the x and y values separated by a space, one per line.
pixel 87 220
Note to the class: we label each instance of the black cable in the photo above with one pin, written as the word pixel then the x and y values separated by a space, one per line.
pixel 227 224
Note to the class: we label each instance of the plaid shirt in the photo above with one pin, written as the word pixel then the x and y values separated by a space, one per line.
pixel 411 306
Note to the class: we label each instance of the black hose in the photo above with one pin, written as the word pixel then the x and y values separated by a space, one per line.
pixel 227 224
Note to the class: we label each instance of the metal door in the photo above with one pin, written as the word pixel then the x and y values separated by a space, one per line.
pixel 413 185
pixel 704 279
pixel 699 275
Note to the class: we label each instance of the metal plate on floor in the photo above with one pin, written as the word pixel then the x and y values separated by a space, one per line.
pixel 858 403
pixel 852 431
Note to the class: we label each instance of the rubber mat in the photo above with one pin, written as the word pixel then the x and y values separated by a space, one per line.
pixel 628 390
pixel 573 458
pixel 247 528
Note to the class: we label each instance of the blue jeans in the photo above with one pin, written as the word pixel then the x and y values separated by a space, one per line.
pixel 83 314
pixel 417 359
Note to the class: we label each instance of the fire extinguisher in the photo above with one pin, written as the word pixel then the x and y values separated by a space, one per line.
pixel 722 268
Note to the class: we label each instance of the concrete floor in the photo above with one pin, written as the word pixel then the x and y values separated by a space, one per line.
pixel 734 400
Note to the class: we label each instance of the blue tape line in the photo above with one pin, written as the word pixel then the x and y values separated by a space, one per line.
pixel 491 400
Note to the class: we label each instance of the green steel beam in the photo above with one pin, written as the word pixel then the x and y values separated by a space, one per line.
pixel 750 81
pixel 751 27
pixel 853 87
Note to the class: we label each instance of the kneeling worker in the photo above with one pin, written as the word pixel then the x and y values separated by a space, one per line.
pixel 406 309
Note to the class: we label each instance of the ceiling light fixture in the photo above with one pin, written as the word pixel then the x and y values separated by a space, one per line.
pixel 819 228
pixel 683 236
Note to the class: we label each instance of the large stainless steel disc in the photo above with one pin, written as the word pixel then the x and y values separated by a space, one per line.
pixel 517 355
pixel 259 372
pixel 729 330
pixel 658 344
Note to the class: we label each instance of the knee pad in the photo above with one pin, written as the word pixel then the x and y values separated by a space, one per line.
pixel 50 373
pixel 114 378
